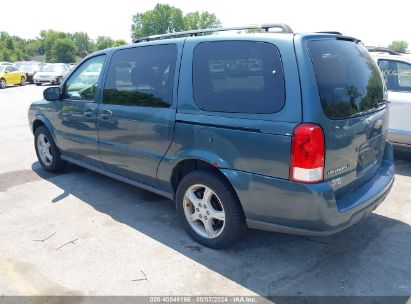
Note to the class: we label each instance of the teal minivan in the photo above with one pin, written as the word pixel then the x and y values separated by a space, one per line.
pixel 278 131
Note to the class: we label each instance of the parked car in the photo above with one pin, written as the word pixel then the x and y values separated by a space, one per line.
pixel 11 75
pixel 396 70
pixel 53 73
pixel 30 67
pixel 5 63
pixel 277 131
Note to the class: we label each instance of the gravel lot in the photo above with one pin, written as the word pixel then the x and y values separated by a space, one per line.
pixel 80 233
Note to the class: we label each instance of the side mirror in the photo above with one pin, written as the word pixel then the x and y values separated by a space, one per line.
pixel 6 72
pixel 52 93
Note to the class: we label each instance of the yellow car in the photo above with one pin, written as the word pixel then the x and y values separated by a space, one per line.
pixel 11 75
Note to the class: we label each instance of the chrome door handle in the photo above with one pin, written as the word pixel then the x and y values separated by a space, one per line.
pixel 106 114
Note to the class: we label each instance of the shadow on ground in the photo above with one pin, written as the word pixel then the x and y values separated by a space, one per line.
pixel 370 258
pixel 402 161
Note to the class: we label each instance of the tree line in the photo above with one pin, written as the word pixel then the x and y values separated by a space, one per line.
pixel 53 46
pixel 56 46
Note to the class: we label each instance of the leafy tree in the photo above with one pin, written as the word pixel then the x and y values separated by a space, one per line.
pixel 162 19
pixel 84 45
pixel 104 42
pixel 119 42
pixel 197 20
pixel 399 46
pixel 64 50
pixel 52 46
pixel 47 41
pixel 255 30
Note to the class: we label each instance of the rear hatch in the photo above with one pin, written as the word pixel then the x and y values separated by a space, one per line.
pixel 352 97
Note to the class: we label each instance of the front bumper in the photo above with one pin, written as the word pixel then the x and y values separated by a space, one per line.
pixel 44 79
pixel 308 209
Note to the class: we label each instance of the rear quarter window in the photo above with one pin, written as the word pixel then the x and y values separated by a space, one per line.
pixel 238 77
pixel 349 81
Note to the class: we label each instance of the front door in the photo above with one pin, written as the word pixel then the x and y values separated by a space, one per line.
pixel 397 75
pixel 12 76
pixel 76 112
pixel 137 113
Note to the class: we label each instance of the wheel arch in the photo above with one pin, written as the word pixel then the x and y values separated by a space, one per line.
pixel 39 121
pixel 188 165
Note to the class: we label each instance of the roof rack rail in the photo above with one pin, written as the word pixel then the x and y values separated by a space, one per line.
pixel 266 27
pixel 330 32
pixel 382 50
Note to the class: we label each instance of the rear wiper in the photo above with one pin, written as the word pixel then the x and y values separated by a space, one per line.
pixel 383 102
pixel 380 104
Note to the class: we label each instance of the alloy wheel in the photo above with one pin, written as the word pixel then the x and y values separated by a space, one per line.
pixel 204 211
pixel 44 149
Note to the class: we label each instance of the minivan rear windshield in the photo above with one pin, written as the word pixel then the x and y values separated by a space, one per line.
pixel 349 82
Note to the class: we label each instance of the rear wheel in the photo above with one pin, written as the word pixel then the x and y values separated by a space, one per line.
pixel 23 81
pixel 47 151
pixel 209 209
pixel 3 83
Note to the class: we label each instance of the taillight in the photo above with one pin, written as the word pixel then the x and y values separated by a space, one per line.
pixel 307 154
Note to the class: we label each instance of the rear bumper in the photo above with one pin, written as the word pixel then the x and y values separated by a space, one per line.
pixel 283 206
pixel 399 137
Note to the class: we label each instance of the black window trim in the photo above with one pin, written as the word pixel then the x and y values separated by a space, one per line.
pixel 220 113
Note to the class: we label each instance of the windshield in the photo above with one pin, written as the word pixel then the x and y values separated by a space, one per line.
pixel 2 68
pixel 27 66
pixel 349 82
pixel 52 68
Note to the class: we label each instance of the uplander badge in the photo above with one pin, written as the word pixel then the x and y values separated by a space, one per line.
pixel 338 170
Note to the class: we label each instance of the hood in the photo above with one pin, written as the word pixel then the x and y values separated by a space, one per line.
pixel 48 74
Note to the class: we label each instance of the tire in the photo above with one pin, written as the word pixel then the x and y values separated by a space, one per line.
pixel 222 204
pixel 23 81
pixel 46 150
pixel 3 83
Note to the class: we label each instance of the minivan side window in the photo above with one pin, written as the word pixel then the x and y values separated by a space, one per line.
pixel 141 76
pixel 82 85
pixel 238 77
pixel 397 75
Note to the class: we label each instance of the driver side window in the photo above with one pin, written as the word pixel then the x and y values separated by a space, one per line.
pixel 82 85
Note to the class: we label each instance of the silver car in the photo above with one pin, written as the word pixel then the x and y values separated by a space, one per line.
pixel 396 69
pixel 53 73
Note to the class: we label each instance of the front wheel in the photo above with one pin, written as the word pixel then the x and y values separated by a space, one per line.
pixel 23 81
pixel 3 83
pixel 47 151
pixel 209 209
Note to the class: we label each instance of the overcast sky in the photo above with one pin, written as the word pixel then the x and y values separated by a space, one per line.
pixel 374 22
